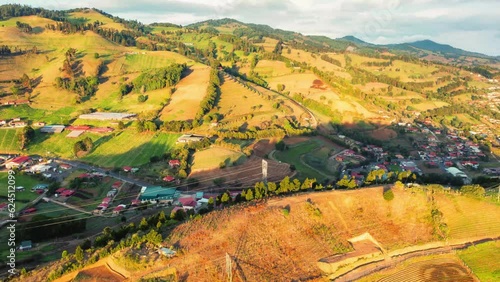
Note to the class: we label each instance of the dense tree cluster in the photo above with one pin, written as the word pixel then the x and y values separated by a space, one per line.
pixel 24 27
pixel 158 78
pixel 83 86
pixel 83 146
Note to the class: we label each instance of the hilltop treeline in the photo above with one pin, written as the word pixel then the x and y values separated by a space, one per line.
pixel 158 78
pixel 15 10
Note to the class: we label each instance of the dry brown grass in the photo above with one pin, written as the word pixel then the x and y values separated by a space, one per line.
pixel 269 44
pixel 301 83
pixel 384 134
pixel 295 242
pixel 188 95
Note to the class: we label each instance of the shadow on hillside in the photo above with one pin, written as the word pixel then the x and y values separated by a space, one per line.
pixel 186 72
pixel 37 30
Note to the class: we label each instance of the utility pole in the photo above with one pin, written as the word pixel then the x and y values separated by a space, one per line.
pixel 229 268
pixel 264 173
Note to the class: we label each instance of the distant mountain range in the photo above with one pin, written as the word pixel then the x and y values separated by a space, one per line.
pixel 418 46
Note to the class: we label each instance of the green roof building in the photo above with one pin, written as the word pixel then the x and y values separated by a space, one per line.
pixel 158 193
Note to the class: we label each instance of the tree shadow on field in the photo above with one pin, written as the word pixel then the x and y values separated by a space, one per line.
pixel 186 72
pixel 184 277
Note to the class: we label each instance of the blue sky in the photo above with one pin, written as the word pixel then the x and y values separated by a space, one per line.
pixel 466 24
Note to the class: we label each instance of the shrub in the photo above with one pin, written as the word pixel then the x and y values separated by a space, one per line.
pixel 388 195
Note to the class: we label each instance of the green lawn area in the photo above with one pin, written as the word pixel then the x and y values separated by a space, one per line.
pixel 140 62
pixel 57 143
pixel 22 198
pixel 483 260
pixel 8 141
pixel 54 210
pixel 130 148
pixel 211 158
pixel 293 156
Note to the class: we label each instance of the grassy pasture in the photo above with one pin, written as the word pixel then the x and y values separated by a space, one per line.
pixel 93 16
pixel 211 158
pixel 144 60
pixel 301 83
pixel 429 105
pixel 237 101
pixel 314 60
pixel 54 210
pixel 268 68
pixel 22 198
pixel 130 148
pixel 483 260
pixel 268 44
pixel 8 141
pixel 293 156
pixel 57 143
pixel 466 218
pixel 159 29
pixel 189 92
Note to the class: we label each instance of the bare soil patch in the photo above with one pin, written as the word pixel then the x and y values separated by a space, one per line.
pixel 384 134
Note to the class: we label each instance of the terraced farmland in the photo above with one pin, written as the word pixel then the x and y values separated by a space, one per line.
pixel 435 269
pixel 469 217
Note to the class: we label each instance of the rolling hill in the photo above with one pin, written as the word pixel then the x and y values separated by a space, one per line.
pixel 299 233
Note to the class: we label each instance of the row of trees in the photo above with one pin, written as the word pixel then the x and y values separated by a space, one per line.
pixel 210 100
pixel 331 60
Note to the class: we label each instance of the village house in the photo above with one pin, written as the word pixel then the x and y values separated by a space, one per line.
pixel 18 162
pixel 174 163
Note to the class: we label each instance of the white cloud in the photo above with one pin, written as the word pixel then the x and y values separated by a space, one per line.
pixel 465 24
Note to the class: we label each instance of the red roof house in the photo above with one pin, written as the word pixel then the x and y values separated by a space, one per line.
pixel 101 129
pixel 17 162
pixel 118 209
pixel 3 206
pixel 84 175
pixel 173 163
pixel 116 185
pixel 136 202
pixel 67 193
pixel 103 206
pixel 60 190
pixel 127 168
pixel 187 202
pixel 106 200
pixel 78 127
pixel 168 178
